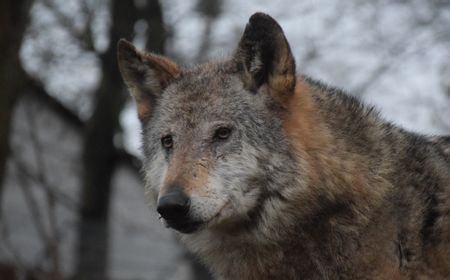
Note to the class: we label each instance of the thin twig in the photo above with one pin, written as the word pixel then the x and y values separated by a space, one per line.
pixel 7 244
pixel 62 198
pixel 84 35
pixel 52 241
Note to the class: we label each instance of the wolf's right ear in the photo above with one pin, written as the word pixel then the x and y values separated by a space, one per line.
pixel 145 74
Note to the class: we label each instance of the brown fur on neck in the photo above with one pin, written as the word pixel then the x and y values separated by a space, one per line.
pixel 311 138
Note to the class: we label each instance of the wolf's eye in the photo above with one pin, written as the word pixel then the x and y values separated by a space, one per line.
pixel 167 142
pixel 222 133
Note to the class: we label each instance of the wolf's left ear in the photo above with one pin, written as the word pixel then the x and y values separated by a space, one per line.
pixel 264 56
pixel 145 74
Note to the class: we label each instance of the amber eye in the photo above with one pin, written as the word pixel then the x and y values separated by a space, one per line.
pixel 223 133
pixel 167 142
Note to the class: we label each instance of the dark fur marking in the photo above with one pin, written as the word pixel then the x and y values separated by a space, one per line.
pixel 255 214
pixel 405 255
pixel 430 218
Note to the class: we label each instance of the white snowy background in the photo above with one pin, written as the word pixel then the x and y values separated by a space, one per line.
pixel 392 54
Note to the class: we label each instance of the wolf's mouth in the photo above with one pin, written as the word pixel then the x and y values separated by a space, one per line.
pixel 183 226
pixel 189 226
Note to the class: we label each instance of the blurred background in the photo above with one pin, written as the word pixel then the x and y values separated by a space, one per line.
pixel 71 197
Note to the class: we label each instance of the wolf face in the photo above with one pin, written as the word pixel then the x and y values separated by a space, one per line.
pixel 211 134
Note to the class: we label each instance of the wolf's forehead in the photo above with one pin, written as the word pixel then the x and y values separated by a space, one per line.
pixel 201 96
pixel 207 82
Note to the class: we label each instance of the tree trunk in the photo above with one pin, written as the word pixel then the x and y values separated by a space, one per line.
pixel 13 22
pixel 99 156
pixel 156 35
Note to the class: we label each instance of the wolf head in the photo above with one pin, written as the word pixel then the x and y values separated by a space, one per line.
pixel 213 135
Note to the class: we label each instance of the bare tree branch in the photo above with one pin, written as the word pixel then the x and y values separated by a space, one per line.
pixel 61 197
pixel 53 235
pixel 36 90
pixel 84 36
pixel 210 11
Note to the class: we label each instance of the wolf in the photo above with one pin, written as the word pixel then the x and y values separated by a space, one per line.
pixel 268 174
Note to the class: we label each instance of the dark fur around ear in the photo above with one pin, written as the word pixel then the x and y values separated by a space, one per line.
pixel 264 55
pixel 145 74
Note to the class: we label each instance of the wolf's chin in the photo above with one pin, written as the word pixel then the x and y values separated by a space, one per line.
pixel 218 218
pixel 183 226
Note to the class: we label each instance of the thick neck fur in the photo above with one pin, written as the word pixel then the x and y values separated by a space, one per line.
pixel 329 219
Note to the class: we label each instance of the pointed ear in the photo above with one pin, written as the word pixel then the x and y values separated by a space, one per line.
pixel 265 58
pixel 145 74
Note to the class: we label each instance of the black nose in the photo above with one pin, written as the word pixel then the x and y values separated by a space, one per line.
pixel 173 205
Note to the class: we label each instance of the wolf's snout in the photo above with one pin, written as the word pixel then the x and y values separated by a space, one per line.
pixel 173 205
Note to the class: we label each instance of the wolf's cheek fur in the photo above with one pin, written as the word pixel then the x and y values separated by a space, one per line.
pixel 155 170
pixel 234 181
